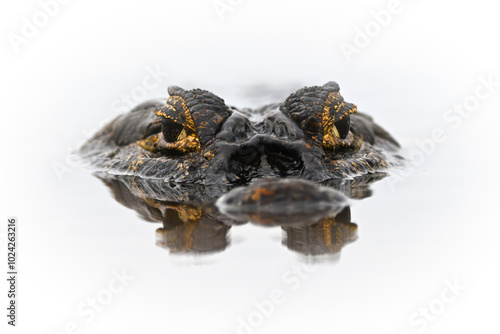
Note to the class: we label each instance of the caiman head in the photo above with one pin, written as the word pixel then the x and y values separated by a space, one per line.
pixel 196 138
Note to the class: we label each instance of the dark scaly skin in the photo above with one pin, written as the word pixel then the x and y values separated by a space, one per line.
pixel 196 138
pixel 171 160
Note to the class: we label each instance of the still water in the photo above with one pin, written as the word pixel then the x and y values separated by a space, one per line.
pixel 414 251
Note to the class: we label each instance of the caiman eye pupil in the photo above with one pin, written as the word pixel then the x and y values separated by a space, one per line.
pixel 171 130
pixel 343 127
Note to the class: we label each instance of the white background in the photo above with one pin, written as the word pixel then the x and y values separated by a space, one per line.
pixel 439 223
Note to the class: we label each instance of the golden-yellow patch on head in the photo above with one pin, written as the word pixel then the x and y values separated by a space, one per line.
pixel 185 114
pixel 208 155
pixel 331 137
pixel 186 145
pixel 162 113
pixel 149 143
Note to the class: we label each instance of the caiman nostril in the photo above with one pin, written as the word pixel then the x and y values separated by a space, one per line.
pixel 247 153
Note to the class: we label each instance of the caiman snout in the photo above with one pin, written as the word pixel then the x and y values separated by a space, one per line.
pixel 265 156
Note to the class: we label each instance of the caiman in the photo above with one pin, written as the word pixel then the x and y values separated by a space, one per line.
pixel 171 160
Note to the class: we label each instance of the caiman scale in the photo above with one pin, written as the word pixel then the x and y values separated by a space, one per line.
pixel 194 137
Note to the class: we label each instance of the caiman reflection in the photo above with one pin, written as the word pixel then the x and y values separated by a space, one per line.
pixel 193 224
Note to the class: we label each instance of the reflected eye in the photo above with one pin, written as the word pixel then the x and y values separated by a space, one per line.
pixel 171 130
pixel 341 128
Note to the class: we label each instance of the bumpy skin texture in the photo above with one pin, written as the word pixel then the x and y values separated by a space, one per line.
pixel 196 138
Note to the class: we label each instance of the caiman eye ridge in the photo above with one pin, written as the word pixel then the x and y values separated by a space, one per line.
pixel 194 137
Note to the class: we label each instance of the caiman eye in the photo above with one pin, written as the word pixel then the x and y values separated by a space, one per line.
pixel 323 115
pixel 172 131
pixel 188 121
pixel 341 128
